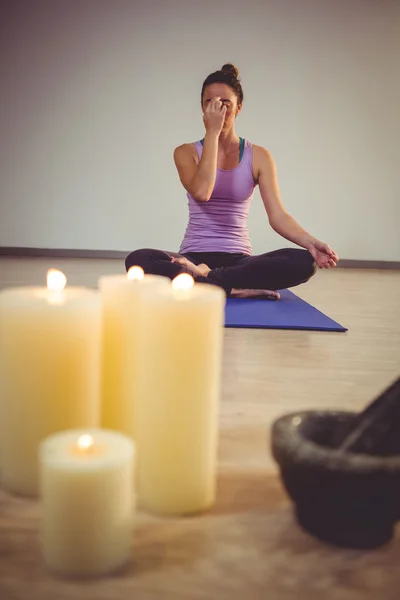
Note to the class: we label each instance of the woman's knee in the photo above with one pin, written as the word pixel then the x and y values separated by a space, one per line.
pixel 140 258
pixel 302 264
pixel 309 266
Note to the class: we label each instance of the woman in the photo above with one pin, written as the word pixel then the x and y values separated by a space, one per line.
pixel 220 173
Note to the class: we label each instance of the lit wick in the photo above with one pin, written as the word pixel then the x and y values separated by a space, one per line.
pixel 56 282
pixel 184 281
pixel 85 442
pixel 135 273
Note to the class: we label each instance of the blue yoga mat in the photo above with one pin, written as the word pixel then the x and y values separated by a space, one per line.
pixel 290 312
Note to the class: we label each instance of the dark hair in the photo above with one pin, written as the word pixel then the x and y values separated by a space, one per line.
pixel 228 74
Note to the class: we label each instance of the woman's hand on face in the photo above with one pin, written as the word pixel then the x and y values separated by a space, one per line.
pixel 322 253
pixel 214 116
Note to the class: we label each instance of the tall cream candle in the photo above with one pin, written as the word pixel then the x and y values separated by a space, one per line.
pixel 87 501
pixel 121 345
pixel 178 370
pixel 49 372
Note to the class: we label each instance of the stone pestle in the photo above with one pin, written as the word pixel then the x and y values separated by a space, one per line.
pixel 376 429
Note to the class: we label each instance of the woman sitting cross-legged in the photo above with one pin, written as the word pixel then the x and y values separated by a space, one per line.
pixel 220 173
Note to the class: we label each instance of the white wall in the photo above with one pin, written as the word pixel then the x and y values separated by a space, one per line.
pixel 97 93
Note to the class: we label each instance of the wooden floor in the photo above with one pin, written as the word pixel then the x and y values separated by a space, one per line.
pixel 249 546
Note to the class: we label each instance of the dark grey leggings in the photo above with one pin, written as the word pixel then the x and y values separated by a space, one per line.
pixel 276 270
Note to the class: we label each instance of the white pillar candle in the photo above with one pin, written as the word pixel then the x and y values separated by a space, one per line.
pixel 49 372
pixel 87 501
pixel 121 345
pixel 177 409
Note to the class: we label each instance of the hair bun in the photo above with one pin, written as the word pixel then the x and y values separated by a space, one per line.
pixel 229 68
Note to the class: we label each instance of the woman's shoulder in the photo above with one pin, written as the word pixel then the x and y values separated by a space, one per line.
pixel 262 160
pixel 261 154
pixel 189 145
pixel 260 150
pixel 188 149
pixel 186 152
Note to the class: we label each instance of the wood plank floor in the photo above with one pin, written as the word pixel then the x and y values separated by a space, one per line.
pixel 248 545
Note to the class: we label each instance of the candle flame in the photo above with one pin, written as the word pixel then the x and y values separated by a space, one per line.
pixel 184 281
pixel 135 273
pixel 85 441
pixel 56 280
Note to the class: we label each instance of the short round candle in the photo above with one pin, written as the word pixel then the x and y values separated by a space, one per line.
pixel 88 501
pixel 49 371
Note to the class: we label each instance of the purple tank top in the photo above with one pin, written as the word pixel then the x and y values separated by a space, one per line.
pixel 220 225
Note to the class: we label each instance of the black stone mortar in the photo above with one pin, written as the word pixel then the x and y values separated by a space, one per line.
pixel 344 498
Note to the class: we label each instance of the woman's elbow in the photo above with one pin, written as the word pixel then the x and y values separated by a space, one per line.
pixel 274 224
pixel 277 221
pixel 200 195
pixel 202 198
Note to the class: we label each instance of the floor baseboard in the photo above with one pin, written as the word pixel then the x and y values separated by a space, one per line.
pixel 61 253
pixel 19 252
pixel 390 265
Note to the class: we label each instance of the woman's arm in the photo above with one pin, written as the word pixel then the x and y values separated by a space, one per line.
pixel 279 219
pixel 199 179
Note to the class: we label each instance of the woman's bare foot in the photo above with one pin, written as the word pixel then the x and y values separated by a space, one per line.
pixel 267 294
pixel 202 269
